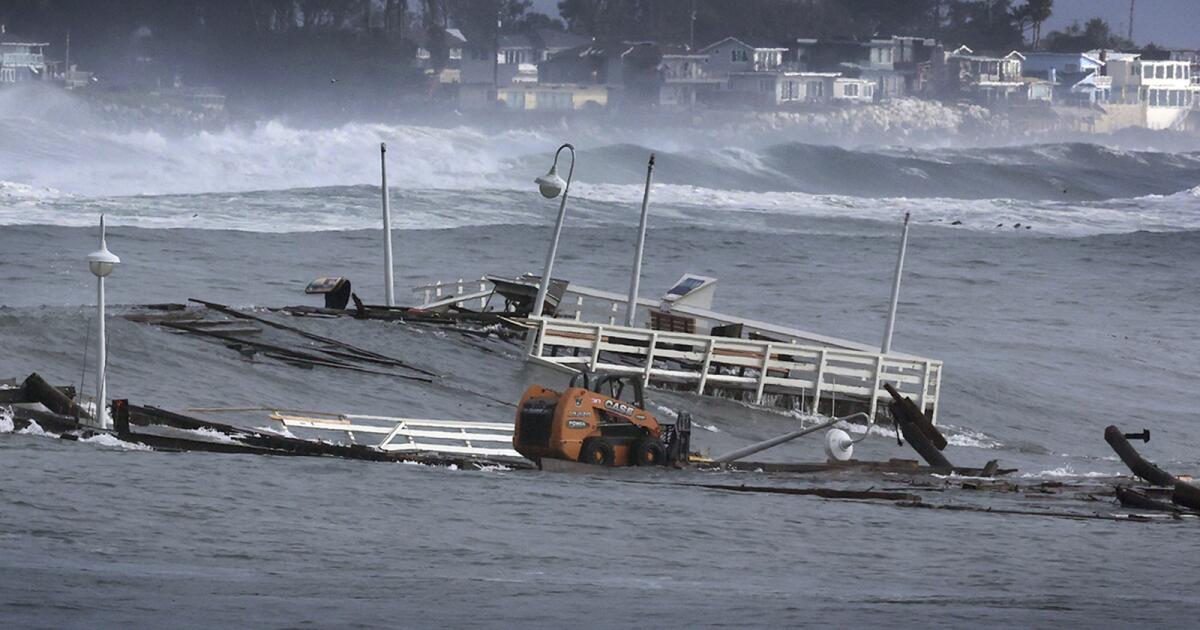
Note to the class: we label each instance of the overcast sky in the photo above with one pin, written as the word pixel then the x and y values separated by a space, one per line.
pixel 1171 23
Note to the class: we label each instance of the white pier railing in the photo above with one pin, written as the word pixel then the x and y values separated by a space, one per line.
pixel 761 368
pixel 484 439
pixel 817 368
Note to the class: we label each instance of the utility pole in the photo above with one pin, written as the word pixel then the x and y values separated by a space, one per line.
pixel 496 55
pixel 1131 3
pixel 692 29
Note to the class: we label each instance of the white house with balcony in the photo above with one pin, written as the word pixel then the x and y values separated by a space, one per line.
pixel 21 58
pixel 783 87
pixel 686 79
pixel 987 78
pixel 1162 91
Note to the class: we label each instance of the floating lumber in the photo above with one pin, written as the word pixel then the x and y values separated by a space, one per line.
pixel 349 351
pixel 915 435
pixel 36 389
pixel 1075 516
pixel 889 466
pixel 826 493
pixel 287 354
pixel 917 417
pixel 1138 499
pixel 412 315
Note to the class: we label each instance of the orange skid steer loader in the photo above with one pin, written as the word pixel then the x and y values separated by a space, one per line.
pixel 598 419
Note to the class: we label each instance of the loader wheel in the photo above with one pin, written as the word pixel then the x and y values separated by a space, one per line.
pixel 649 453
pixel 598 453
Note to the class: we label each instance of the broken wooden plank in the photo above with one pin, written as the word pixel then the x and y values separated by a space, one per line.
pixel 363 354
pixel 825 493
pixel 916 416
pixel 36 389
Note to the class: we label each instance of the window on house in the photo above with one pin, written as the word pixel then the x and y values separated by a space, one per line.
pixel 850 89
pixel 1147 72
pixel 816 89
pixel 739 54
pixel 1160 72
pixel 1171 71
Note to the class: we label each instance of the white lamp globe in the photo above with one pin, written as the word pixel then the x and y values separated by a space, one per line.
pixel 102 262
pixel 550 184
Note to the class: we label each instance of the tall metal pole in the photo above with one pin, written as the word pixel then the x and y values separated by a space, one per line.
pixel 1131 3
pixel 631 306
pixel 891 319
pixel 101 351
pixel 540 301
pixel 389 285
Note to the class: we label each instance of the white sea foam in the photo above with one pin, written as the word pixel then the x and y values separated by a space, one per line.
pixel 36 429
pixel 958 436
pixel 1065 471
pixel 285 432
pixel 104 439
pixel 317 179
pixel 6 420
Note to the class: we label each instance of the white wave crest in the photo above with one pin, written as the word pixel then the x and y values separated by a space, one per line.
pixel 104 439
pixel 1066 471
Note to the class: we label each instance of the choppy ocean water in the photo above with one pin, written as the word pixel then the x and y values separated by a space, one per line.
pixel 1086 318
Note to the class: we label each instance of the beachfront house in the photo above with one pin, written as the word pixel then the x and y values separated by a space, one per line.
pixel 783 87
pixel 1076 78
pixel 891 63
pixel 21 58
pixel 513 57
pixel 734 55
pixel 455 43
pixel 552 97
pixel 629 69
pixel 686 80
pixel 1161 92
pixel 962 73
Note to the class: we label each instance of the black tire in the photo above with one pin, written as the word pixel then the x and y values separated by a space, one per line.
pixel 597 452
pixel 649 452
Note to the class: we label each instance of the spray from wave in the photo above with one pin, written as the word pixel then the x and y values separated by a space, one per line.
pixel 61 165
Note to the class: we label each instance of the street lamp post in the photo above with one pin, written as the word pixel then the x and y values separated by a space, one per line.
pixel 551 185
pixel 101 262
pixel 389 284
pixel 886 347
pixel 631 307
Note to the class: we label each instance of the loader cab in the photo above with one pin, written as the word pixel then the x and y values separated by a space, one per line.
pixel 624 388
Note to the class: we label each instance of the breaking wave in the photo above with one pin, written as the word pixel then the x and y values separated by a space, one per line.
pixel 61 166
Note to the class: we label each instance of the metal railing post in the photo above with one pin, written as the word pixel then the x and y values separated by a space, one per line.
pixel 650 358
pixel 708 353
pixel 596 347
pixel 875 386
pixel 762 375
pixel 816 403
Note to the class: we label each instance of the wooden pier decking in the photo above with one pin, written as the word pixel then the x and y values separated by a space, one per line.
pixel 776 365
